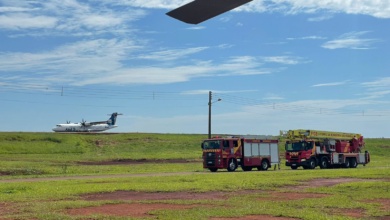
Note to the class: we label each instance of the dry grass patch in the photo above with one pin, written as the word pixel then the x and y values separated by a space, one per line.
pixel 129 210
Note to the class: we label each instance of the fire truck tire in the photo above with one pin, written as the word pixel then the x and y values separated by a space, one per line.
pixel 264 165
pixel 347 163
pixel 324 164
pixel 232 165
pixel 294 167
pixel 354 163
pixel 312 163
pixel 213 169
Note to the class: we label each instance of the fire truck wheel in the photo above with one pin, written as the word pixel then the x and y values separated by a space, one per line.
pixel 232 165
pixel 213 169
pixel 264 165
pixel 347 163
pixel 354 163
pixel 312 163
pixel 294 167
pixel 324 163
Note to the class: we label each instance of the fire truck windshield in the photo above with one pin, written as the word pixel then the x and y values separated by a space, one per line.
pixel 214 144
pixel 297 146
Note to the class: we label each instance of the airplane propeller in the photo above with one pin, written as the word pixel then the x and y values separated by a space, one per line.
pixel 83 123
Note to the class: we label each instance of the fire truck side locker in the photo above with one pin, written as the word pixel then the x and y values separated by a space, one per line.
pixel 255 151
pixel 275 158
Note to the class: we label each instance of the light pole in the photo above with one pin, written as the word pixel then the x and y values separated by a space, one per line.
pixel 210 103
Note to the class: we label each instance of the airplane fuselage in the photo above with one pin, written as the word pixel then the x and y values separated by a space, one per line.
pixel 78 127
pixel 94 126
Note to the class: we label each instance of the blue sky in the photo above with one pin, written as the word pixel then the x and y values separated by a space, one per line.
pixel 276 65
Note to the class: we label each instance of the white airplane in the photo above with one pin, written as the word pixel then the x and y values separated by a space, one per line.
pixel 84 126
pixel 198 11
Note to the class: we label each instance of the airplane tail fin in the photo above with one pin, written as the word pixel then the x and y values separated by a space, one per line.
pixel 112 119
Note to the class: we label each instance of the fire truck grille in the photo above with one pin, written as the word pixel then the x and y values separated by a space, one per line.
pixel 210 159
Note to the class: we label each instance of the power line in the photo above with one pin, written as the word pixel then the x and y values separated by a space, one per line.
pixel 96 92
pixel 236 100
pixel 127 94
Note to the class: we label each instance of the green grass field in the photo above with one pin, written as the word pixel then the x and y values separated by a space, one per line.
pixel 48 156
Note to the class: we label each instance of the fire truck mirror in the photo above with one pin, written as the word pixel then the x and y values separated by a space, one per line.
pixel 201 145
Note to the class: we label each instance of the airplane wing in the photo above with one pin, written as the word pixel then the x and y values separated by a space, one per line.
pixel 96 123
pixel 201 10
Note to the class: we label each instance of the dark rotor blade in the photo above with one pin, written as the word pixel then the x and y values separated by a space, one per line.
pixel 201 10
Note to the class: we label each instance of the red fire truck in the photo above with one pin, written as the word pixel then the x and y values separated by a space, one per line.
pixel 311 148
pixel 231 152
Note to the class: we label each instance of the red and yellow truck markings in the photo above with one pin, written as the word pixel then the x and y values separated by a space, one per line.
pixel 231 152
pixel 311 148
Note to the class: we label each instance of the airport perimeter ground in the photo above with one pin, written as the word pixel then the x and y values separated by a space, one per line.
pixel 160 176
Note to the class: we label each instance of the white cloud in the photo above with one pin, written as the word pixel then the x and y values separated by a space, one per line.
pixel 205 91
pixel 272 96
pixel 380 83
pixel 351 40
pixel 225 18
pixel 14 9
pixel 330 84
pixel 74 15
pixel 196 92
pixel 225 46
pixel 152 3
pixel 377 8
pixel 276 43
pixel 104 20
pixel 331 107
pixel 271 119
pixel 378 88
pixel 115 61
pixel 21 21
pixel 69 63
pixel 312 37
pixel 377 94
pixel 69 17
pixel 196 28
pixel 320 18
pixel 174 74
pixel 287 60
pixel 172 54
